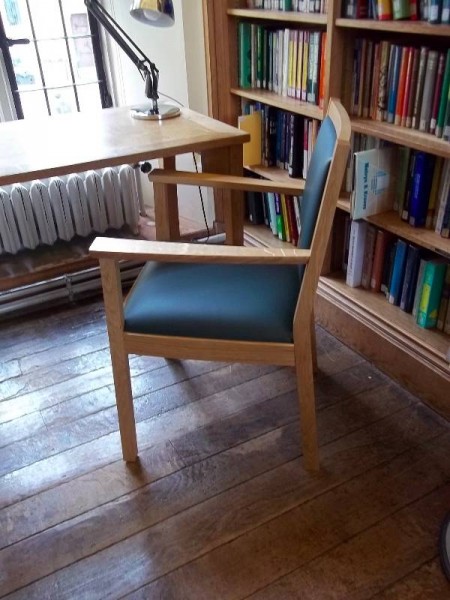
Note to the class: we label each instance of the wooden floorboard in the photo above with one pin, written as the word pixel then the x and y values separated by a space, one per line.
pixel 219 506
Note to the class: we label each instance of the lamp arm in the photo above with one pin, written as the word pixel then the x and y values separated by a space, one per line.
pixel 145 66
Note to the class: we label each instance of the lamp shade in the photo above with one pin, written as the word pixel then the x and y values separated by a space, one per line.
pixel 158 13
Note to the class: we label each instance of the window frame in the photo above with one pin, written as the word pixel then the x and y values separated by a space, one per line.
pixel 7 73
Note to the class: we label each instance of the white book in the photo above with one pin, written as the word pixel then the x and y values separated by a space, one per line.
pixel 374 182
pixel 23 211
pixel 358 231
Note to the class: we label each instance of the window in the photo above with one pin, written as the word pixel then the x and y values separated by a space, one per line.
pixel 60 69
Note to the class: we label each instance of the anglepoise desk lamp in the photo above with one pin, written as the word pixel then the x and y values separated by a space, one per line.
pixel 158 13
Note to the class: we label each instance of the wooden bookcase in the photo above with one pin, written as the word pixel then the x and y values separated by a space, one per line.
pixel 418 358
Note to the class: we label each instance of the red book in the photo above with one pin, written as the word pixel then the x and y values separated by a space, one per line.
pixel 413 12
pixel 437 92
pixel 408 81
pixel 401 85
pixel 323 44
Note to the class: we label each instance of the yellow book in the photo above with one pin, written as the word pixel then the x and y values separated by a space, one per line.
pixel 252 149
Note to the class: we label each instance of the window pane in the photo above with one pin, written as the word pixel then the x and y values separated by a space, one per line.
pixel 89 97
pixel 62 101
pixel 46 19
pixel 33 105
pixel 81 50
pixel 55 65
pixel 26 67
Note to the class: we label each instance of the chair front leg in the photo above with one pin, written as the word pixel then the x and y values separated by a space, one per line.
pixel 307 402
pixel 112 296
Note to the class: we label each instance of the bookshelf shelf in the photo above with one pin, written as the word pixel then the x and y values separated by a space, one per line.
pixel 407 27
pixel 390 221
pixel 272 173
pixel 403 136
pixel 390 320
pixel 285 103
pixel 278 15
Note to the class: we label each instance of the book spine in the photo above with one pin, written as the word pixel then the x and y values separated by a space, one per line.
pixel 437 92
pixel 381 242
pixel 419 285
pixel 422 177
pixel 245 57
pixel 419 87
pixel 369 248
pixel 410 279
pixel 444 95
pixel 398 271
pixel 356 253
pixel 412 86
pixel 433 282
pixel 444 302
pixel 435 183
pixel 384 9
pixel 428 90
pixel 405 54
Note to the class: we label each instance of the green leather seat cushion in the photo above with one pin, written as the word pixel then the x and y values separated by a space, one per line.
pixel 236 302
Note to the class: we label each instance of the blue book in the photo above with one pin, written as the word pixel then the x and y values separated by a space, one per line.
pixel 421 187
pixel 410 279
pixel 394 75
pixel 398 272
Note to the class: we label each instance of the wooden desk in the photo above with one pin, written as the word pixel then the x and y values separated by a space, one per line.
pixel 73 143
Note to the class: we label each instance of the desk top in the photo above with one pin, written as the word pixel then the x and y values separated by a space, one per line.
pixel 72 143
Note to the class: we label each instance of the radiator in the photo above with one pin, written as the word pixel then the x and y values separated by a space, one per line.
pixel 42 212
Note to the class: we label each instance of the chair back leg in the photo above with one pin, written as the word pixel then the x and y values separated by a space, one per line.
pixel 305 389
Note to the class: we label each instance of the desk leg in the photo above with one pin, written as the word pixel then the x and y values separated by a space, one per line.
pixel 166 207
pixel 229 204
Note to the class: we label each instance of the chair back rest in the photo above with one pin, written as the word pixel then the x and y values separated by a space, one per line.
pixel 321 192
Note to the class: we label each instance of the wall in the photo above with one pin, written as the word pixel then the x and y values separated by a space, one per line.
pixel 176 51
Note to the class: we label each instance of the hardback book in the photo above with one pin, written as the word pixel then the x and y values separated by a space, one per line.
pixel 409 186
pixel 437 92
pixel 419 87
pixel 381 245
pixel 410 278
pixel 369 249
pixel 374 186
pixel 295 166
pixel 412 87
pixel 393 80
pixel 428 90
pixel 406 53
pixel 433 282
pixel 245 55
pixel 252 150
pixel 383 80
pixel 398 272
pixel 435 11
pixel 435 184
pixel 347 228
pixel 444 96
pixel 445 296
pixel 272 213
pixel 358 230
pixel 400 9
pixel 422 178
pixel 419 284
pixel 403 157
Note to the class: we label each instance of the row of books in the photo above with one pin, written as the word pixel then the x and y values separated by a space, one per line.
pixel 302 6
pixel 378 261
pixel 289 62
pixel 284 139
pixel 279 212
pixel 403 85
pixel 414 183
pixel 432 11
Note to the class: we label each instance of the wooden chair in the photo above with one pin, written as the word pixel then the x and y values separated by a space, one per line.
pixel 228 303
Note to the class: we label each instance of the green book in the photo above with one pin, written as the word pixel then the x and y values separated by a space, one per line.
pixel 245 55
pixel 433 281
pixel 444 98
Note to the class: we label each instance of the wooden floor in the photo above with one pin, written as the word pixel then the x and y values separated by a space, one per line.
pixel 219 507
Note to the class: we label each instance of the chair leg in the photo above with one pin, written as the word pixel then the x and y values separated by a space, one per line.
pixel 124 401
pixel 313 344
pixel 305 387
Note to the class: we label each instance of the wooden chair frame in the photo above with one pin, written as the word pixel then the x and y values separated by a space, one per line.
pixel 300 353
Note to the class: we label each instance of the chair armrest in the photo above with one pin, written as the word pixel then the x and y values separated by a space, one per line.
pixel 119 249
pixel 230 182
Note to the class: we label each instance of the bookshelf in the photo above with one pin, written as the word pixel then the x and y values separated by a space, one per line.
pixel 418 358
